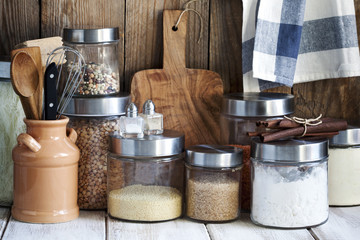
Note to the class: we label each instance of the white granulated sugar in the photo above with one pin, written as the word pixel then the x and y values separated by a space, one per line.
pixel 145 203
pixel 293 202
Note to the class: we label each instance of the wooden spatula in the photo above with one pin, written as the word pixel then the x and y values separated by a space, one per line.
pixel 190 99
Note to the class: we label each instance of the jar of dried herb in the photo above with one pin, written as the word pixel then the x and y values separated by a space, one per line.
pixel 94 119
pixel 213 182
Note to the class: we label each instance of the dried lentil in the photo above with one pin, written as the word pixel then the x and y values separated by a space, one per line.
pixel 93 144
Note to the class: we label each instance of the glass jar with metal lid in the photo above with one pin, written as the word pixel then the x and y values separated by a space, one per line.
pixel 289 183
pixel 94 119
pixel 213 182
pixel 145 177
pixel 100 50
pixel 240 112
pixel 344 168
pixel 11 125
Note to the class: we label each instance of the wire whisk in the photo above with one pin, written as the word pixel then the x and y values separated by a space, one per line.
pixel 75 70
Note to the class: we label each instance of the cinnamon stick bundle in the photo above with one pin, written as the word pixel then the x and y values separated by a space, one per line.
pixel 284 123
pixel 328 125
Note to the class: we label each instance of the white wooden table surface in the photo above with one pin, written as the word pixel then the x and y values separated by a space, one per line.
pixel 343 223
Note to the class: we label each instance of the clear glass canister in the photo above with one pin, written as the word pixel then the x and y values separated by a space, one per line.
pixel 289 183
pixel 94 119
pixel 145 177
pixel 11 125
pixel 240 112
pixel 213 182
pixel 344 168
pixel 99 47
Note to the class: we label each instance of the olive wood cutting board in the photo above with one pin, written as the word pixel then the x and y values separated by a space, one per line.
pixel 189 99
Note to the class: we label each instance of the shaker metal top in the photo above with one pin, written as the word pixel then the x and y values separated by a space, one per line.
pixel 98 107
pixel 131 110
pixel 101 35
pixel 289 151
pixel 349 137
pixel 214 156
pixel 261 104
pixel 168 143
pixel 149 107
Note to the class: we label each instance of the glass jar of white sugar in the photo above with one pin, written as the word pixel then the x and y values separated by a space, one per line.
pixel 146 177
pixel 344 168
pixel 289 183
pixel 213 182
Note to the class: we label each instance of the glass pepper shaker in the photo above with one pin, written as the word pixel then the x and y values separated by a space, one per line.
pixel 153 121
pixel 131 125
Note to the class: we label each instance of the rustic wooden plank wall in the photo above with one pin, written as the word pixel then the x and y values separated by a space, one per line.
pixel 140 26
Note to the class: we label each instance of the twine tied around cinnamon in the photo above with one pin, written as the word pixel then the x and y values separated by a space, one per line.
pixel 186 9
pixel 305 122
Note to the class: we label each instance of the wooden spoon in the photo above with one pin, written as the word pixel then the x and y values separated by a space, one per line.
pixel 25 81
pixel 35 53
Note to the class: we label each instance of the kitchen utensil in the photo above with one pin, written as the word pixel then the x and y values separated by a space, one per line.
pixel 189 99
pixel 35 53
pixel 25 81
pixel 74 69
pixel 51 74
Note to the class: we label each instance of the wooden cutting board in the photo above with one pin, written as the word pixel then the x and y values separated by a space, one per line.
pixel 190 99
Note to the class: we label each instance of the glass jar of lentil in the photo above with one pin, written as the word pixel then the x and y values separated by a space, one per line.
pixel 99 48
pixel 94 119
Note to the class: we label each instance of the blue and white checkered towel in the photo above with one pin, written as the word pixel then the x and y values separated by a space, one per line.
pixel 295 41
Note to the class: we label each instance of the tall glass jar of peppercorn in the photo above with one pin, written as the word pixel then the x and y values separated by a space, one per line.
pixel 100 50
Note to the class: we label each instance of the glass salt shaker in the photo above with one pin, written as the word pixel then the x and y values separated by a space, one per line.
pixel 131 125
pixel 153 121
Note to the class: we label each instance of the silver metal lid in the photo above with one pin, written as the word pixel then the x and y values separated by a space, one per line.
pixel 349 137
pixel 131 110
pixel 289 151
pixel 5 70
pixel 102 35
pixel 261 104
pixel 149 107
pixel 167 144
pixel 214 156
pixel 98 107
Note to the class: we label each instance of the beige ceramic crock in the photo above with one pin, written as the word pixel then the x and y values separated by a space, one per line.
pixel 46 173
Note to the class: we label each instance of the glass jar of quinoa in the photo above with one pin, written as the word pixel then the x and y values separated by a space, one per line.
pixel 146 177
